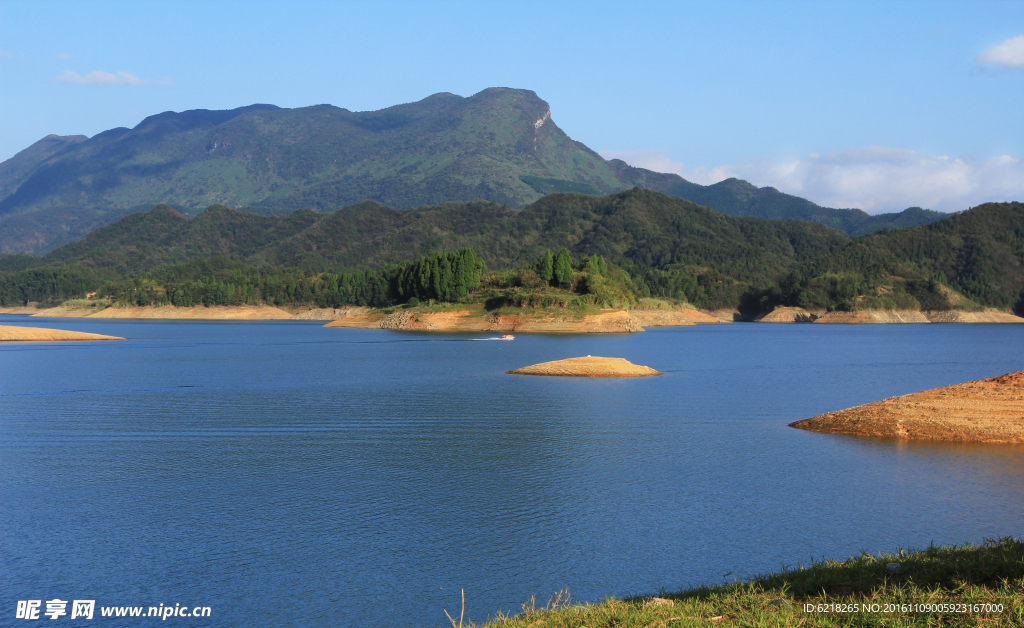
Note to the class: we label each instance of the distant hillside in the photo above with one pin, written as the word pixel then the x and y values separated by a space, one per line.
pixel 672 249
pixel 979 252
pixel 739 198
pixel 638 225
pixel 499 145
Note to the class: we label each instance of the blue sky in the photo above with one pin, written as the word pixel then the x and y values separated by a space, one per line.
pixel 851 104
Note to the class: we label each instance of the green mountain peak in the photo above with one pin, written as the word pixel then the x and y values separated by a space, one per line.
pixel 500 145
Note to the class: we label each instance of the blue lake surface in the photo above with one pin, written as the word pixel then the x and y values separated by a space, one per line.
pixel 286 474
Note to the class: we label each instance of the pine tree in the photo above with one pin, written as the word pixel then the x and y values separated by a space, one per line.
pixel 563 267
pixel 546 269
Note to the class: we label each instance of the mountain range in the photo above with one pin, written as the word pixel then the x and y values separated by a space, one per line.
pixel 499 145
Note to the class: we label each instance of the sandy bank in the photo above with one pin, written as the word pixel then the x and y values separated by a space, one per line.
pixel 170 312
pixel 329 314
pixel 955 316
pixel 983 411
pixel 18 310
pixel 12 333
pixel 215 313
pixel 590 366
pixel 873 317
pixel 476 319
pixel 913 316
pixel 672 318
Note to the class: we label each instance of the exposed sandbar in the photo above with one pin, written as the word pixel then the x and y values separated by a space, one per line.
pixel 590 366
pixel 12 333
pixel 982 411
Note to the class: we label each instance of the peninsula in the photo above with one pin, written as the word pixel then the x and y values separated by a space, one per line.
pixel 12 333
pixel 982 411
pixel 589 366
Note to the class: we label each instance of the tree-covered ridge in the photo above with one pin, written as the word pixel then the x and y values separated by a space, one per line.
pixel 979 252
pixel 739 198
pixel 637 225
pixel 668 248
pixel 499 145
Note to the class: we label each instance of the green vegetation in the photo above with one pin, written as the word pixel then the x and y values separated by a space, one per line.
pixel 437 279
pixel 499 145
pixel 48 286
pixel 662 248
pixel 951 586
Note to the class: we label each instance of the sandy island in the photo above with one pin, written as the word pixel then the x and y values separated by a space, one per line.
pixel 590 366
pixel 11 333
pixel 982 411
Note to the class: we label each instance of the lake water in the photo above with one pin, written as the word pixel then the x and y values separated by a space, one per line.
pixel 290 475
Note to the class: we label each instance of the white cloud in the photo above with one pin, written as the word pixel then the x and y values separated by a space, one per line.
pixel 1009 54
pixel 99 77
pixel 63 56
pixel 876 179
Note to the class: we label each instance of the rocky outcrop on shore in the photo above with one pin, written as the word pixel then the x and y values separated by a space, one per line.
pixel 476 319
pixel 982 411
pixel 787 315
pixel 14 333
pixel 589 366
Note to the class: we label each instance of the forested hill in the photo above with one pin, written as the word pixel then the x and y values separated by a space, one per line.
pixel 638 225
pixel 979 252
pixel 499 145
pixel 672 249
pixel 739 198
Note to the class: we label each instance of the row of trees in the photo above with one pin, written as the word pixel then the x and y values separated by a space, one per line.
pixel 48 285
pixel 447 277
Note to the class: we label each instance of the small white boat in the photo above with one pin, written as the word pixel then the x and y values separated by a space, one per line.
pixel 507 337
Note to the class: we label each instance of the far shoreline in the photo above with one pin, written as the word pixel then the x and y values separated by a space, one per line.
pixel 473 317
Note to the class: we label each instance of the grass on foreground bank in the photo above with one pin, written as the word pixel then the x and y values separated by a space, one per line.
pixel 858 592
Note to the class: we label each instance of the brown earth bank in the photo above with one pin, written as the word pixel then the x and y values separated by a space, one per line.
pixel 672 318
pixel 982 411
pixel 12 333
pixel 475 318
pixel 726 315
pixel 170 312
pixel 871 317
pixel 589 366
pixel 956 316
